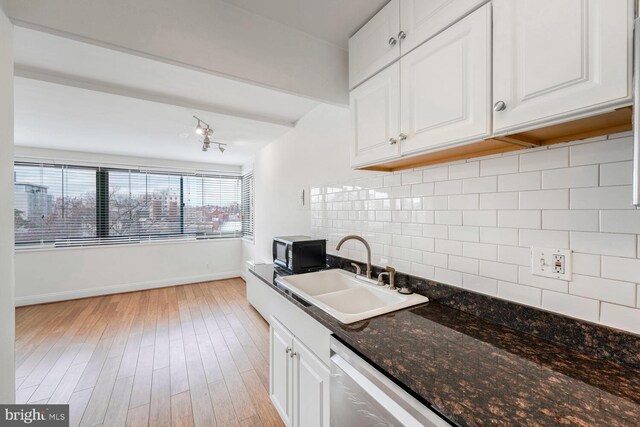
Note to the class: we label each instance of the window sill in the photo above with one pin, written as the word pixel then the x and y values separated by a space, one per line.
pixel 48 248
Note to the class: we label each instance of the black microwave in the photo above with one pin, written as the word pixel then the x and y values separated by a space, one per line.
pixel 300 254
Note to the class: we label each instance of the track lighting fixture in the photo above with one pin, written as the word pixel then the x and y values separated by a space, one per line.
pixel 203 128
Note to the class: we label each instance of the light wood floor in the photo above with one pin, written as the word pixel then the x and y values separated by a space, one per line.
pixel 185 355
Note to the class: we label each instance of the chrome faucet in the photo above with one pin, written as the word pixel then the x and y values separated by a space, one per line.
pixel 366 245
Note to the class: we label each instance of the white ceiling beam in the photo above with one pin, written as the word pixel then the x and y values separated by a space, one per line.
pixel 48 76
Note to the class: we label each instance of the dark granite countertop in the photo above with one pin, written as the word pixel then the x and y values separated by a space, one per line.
pixel 479 373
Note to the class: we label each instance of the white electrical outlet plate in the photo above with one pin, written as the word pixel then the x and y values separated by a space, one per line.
pixel 554 263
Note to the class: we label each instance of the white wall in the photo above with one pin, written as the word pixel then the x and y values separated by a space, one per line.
pixel 208 35
pixel 54 274
pixel 469 223
pixel 45 275
pixel 314 152
pixel 7 318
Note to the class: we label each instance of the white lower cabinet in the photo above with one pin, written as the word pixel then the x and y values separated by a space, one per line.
pixel 299 381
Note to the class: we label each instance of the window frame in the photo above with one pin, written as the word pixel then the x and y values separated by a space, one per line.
pixel 102 208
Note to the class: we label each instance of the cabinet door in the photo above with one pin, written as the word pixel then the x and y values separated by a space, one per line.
pixel 446 86
pixel 280 369
pixel 558 59
pixel 422 19
pixel 310 389
pixel 375 45
pixel 375 118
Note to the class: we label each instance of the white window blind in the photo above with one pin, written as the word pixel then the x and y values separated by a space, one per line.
pixel 69 205
pixel 248 193
pixel 54 204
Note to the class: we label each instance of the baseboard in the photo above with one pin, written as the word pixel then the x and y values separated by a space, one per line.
pixel 125 287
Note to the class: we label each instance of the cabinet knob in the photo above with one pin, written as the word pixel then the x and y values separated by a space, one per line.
pixel 392 41
pixel 499 106
pixel 288 350
pixel 402 137
pixel 402 35
pixel 393 141
pixel 293 354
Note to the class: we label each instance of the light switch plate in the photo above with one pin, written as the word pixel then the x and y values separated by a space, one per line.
pixel 555 263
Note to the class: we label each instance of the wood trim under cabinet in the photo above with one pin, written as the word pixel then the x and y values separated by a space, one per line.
pixel 602 124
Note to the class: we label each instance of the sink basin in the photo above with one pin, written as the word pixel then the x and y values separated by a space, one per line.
pixel 345 297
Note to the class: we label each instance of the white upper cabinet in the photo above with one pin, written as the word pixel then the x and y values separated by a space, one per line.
pixel 446 86
pixel 375 45
pixel 557 59
pixel 422 19
pixel 375 117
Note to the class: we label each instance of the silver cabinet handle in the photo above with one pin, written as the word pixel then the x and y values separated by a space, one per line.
pixel 402 137
pixel 288 350
pixel 393 141
pixel 499 106
pixel 402 35
pixel 392 41
pixel 292 354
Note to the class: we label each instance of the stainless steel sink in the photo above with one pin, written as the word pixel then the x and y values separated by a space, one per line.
pixel 345 297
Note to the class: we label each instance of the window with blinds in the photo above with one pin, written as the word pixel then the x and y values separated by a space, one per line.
pixel 248 190
pixel 69 205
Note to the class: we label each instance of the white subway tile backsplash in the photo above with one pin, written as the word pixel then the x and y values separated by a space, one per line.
pixel 440 173
pixel 435 259
pixel 480 284
pixel 498 270
pixel 480 251
pixel 500 236
pixel 464 201
pixel 464 170
pixel 617 197
pixel 604 289
pixel 464 233
pixel 620 221
pixel 520 181
pixel 586 264
pixel 619 173
pixel 487 184
pixel 519 219
pixel 573 220
pixel 465 265
pixel 607 151
pixel 514 255
pixel 448 217
pixel 448 187
pixel 571 305
pixel 424 189
pixel 623 245
pixel 523 294
pixel 449 277
pixel 473 223
pixel 449 247
pixel 544 239
pixel 526 278
pixel 544 199
pixel 545 159
pixel 499 166
pixel 409 178
pixel 620 317
pixel 436 202
pixel 435 230
pixel 582 176
pixel 499 201
pixel 486 218
pixel 627 269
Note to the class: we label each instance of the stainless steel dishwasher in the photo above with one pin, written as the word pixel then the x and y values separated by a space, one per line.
pixel 362 396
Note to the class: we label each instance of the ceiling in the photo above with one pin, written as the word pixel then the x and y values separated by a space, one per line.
pixel 333 21
pixel 71 95
pixel 67 118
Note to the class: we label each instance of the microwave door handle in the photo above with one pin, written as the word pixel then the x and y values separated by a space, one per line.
pixel 286 255
pixel 274 250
